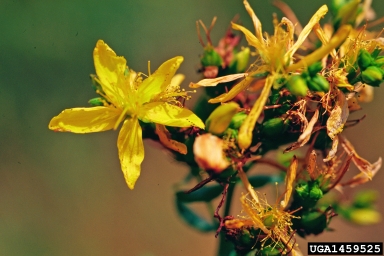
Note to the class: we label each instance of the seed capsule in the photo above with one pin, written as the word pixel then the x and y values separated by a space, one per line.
pixel 372 76
pixel 364 60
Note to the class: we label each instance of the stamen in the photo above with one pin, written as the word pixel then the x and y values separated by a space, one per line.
pixel 149 68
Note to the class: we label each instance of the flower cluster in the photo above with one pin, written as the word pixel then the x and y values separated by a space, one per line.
pixel 294 98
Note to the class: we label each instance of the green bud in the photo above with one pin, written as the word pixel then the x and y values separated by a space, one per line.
pixel 315 193
pixel 365 216
pixel 241 60
pixel 314 222
pixel 211 58
pixel 99 101
pixel 315 68
pixel 308 193
pixel 318 83
pixel 375 53
pixel 364 59
pixel 379 61
pixel 372 76
pixel 221 117
pixel 237 120
pixel 273 127
pixel 297 85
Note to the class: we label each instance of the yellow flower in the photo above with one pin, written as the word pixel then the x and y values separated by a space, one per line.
pixel 274 220
pixel 276 60
pixel 129 99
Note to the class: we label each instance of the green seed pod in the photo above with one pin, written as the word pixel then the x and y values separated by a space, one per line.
pixel 211 58
pixel 221 117
pixel 315 68
pixel 273 127
pixel 297 85
pixel 372 76
pixel 99 101
pixel 313 86
pixel 322 82
pixel 364 59
pixel 269 221
pixel 314 222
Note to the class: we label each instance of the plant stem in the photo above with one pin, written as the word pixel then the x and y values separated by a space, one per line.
pixel 226 247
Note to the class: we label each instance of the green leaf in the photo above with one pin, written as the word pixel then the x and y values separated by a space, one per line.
pixel 193 219
pixel 258 181
pixel 204 194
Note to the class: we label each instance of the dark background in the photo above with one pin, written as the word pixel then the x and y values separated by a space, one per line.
pixel 64 194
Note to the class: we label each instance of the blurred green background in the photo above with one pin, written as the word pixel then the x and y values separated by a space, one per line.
pixel 64 194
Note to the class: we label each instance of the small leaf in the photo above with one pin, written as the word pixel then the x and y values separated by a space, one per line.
pixel 203 194
pixel 193 219
pixel 258 181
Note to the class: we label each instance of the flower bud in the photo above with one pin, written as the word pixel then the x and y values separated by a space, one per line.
pixel 211 58
pixel 221 117
pixel 297 85
pixel 379 61
pixel 364 59
pixel 315 68
pixel 318 83
pixel 209 155
pixel 372 76
pixel 237 120
pixel 241 60
pixel 273 127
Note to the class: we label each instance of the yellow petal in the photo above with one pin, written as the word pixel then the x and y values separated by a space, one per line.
pixel 246 129
pixel 170 115
pixel 255 20
pixel 289 180
pixel 338 116
pixel 318 54
pixel 239 87
pixel 307 29
pixel 158 81
pixel 253 41
pixel 131 150
pixel 165 139
pixel 110 72
pixel 85 120
pixel 217 80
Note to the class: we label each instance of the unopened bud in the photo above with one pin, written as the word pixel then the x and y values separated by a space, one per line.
pixel 211 58
pixel 315 68
pixel 364 60
pixel 273 127
pixel 372 76
pixel 297 85
pixel 221 117
pixel 314 222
